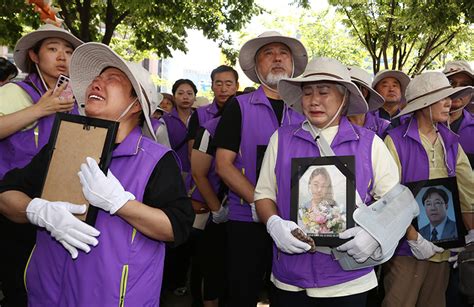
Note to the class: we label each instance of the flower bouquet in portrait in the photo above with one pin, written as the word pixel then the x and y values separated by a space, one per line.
pixel 323 218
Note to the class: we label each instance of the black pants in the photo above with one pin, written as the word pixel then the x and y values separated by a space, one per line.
pixel 281 298
pixel 16 241
pixel 212 253
pixel 249 257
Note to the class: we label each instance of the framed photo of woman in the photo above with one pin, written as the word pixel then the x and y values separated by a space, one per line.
pixel 323 197
pixel 440 219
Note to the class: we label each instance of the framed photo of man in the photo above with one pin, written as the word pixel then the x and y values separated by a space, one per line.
pixel 440 219
pixel 323 197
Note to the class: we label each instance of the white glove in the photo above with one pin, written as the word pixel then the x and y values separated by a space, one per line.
pixel 104 192
pixel 362 246
pixel 254 213
pixel 220 216
pixel 469 238
pixel 280 231
pixel 423 249
pixel 57 217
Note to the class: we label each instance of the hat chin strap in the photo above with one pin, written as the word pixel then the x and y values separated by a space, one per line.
pixel 126 110
pixel 262 82
pixel 435 126
pixel 41 76
pixel 335 115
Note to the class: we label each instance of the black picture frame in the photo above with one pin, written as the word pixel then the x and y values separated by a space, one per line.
pixel 103 148
pixel 340 208
pixel 453 231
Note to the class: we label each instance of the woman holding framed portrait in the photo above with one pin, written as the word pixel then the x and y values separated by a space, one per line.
pixel 325 95
pixel 425 149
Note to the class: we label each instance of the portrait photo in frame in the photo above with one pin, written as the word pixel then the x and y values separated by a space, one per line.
pixel 323 197
pixel 440 219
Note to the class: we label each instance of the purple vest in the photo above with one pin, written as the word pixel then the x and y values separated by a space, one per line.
pixel 18 149
pixel 126 266
pixel 466 132
pixel 177 134
pixel 259 122
pixel 206 113
pixel 318 270
pixel 212 176
pixel 376 124
pixel 415 162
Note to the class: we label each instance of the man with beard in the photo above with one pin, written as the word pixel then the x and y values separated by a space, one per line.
pixel 391 85
pixel 241 138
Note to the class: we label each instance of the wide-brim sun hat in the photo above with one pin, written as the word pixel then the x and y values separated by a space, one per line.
pixel 90 59
pixel 28 41
pixel 322 69
pixel 200 102
pixel 428 88
pixel 248 53
pixel 363 78
pixel 399 75
pixel 456 67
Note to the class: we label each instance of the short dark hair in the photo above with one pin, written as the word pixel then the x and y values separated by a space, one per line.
pixel 7 70
pixel 224 68
pixel 433 190
pixel 183 81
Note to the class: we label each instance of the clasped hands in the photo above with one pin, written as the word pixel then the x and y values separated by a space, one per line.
pixel 58 218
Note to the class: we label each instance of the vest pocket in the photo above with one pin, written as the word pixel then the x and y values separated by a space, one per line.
pixel 123 285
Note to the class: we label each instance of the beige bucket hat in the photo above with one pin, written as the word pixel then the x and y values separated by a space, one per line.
pixel 428 88
pixel 28 41
pixel 322 69
pixel 397 74
pixel 249 50
pixel 90 59
pixel 200 101
pixel 456 67
pixel 363 78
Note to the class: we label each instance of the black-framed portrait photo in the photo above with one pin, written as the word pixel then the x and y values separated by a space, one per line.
pixel 323 197
pixel 440 219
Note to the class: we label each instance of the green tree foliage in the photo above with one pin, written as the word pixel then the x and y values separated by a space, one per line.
pixel 408 35
pixel 154 25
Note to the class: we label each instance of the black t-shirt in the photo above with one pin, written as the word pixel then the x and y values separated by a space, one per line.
pixel 165 189
pixel 228 132
pixel 193 126
pixel 209 149
pixel 454 126
pixel 393 122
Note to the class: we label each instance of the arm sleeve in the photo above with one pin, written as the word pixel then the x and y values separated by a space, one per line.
pixel 162 134
pixel 193 126
pixel 29 179
pixel 165 190
pixel 13 99
pixel 384 168
pixel 266 185
pixel 393 151
pixel 202 142
pixel 228 131
pixel 465 180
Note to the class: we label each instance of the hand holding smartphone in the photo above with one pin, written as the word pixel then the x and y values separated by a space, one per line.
pixel 67 91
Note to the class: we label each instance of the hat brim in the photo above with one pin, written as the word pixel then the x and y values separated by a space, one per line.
pixel 249 51
pixel 291 92
pixel 28 41
pixel 426 101
pixel 375 100
pixel 460 71
pixel 88 61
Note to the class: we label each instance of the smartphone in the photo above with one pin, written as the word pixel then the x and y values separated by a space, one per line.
pixel 67 92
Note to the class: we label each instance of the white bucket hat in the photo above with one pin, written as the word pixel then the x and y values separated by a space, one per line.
pixel 249 50
pixel 363 78
pixel 456 67
pixel 28 41
pixel 428 88
pixel 90 59
pixel 397 74
pixel 322 69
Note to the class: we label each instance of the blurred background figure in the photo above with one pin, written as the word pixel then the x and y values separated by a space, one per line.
pixel 8 71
